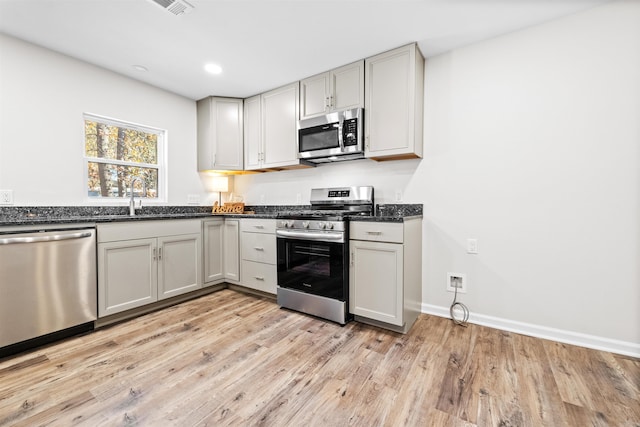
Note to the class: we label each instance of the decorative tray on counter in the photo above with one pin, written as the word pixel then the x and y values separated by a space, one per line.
pixel 230 208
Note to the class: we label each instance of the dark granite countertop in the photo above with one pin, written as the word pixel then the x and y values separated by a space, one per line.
pixel 386 218
pixel 14 215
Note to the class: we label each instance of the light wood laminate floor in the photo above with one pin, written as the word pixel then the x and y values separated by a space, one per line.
pixel 234 359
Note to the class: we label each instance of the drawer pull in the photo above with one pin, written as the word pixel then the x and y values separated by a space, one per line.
pixel 259 278
pixel 259 226
pixel 258 248
pixel 375 233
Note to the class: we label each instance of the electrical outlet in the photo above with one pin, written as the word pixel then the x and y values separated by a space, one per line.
pixel 398 196
pixel 6 197
pixel 457 281
pixel 193 199
pixel 472 246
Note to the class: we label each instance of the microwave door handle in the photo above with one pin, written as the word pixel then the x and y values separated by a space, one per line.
pixel 340 129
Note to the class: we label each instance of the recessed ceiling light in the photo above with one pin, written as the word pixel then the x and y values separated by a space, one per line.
pixel 141 68
pixel 213 68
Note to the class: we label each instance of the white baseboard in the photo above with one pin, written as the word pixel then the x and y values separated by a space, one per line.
pixel 568 337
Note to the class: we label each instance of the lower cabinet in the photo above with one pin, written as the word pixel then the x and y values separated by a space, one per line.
pixel 231 251
pixel 213 244
pixel 258 269
pixel 377 278
pixel 146 261
pixel 221 242
pixel 385 273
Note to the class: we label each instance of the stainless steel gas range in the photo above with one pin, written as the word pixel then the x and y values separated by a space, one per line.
pixel 313 252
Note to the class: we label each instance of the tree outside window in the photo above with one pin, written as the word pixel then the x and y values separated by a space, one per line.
pixel 116 152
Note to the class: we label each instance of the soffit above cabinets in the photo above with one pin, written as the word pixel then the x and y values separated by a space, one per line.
pixel 260 44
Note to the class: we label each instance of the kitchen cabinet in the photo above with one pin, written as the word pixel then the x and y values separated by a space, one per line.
pixel 220 134
pixel 271 134
pixel 258 265
pixel 146 261
pixel 253 133
pixel 385 274
pixel 213 253
pixel 394 96
pixel 335 90
pixel 221 242
pixel 231 254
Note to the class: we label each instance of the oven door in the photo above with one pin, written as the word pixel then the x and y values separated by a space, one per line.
pixel 313 267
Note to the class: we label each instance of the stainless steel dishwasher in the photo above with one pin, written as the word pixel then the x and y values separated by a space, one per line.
pixel 47 285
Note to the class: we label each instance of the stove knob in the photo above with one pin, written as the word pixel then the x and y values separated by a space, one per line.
pixel 329 226
pixel 305 224
pixel 322 225
pixel 291 224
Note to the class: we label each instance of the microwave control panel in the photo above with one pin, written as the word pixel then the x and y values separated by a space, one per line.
pixel 350 132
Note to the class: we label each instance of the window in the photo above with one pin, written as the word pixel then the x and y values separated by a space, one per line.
pixel 116 152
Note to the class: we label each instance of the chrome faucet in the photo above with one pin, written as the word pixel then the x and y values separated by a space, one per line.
pixel 132 202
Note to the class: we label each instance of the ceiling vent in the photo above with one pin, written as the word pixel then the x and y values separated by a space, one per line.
pixel 177 7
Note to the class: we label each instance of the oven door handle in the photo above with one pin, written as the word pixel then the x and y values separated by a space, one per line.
pixel 310 235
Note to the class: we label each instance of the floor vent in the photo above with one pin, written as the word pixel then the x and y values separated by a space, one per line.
pixel 177 7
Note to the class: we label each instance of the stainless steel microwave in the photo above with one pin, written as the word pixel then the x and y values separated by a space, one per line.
pixel 333 137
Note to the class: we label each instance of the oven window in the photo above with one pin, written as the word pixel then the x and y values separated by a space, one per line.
pixel 319 138
pixel 313 267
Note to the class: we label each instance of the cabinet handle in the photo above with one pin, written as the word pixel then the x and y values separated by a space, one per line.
pixel 331 101
pixel 160 253
pixel 259 278
pixel 375 233
pixel 258 248
pixel 353 258
pixel 259 226
pixel 326 103
pixel 214 160
pixel 154 254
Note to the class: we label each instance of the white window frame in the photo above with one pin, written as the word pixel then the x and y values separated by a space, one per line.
pixel 161 165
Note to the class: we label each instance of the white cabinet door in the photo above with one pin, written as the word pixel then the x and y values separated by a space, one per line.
pixel 253 133
pixel 179 264
pixel 347 87
pixel 376 281
pixel 213 232
pixel 127 275
pixel 339 89
pixel 279 126
pixel 220 134
pixel 314 95
pixel 393 110
pixel 231 253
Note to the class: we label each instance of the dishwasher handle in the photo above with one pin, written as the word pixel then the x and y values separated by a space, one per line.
pixel 38 239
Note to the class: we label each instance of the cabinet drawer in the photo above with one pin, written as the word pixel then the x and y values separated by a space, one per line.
pixel 146 229
pixel 258 247
pixel 257 275
pixel 258 225
pixel 376 231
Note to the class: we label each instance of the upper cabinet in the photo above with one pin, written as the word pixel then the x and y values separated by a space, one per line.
pixel 394 95
pixel 339 89
pixel 271 134
pixel 220 134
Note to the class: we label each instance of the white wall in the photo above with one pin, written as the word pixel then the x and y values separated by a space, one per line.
pixel 532 146
pixel 43 96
